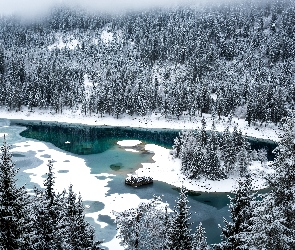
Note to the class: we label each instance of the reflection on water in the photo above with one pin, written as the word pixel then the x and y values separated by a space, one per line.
pixel 83 139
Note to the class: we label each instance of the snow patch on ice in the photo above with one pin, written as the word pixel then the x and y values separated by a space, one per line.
pixel 128 143
pixel 131 150
pixel 114 244
pixel 3 134
pixel 79 175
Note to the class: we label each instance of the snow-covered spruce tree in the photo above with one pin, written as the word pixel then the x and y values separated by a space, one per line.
pixel 228 150
pixel 274 216
pixel 77 233
pixel 199 239
pixel 243 162
pixel 144 227
pixel 48 208
pixel 179 235
pixel 14 206
pixel 235 232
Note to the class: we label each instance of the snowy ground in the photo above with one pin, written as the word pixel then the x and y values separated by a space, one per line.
pixel 270 131
pixel 167 169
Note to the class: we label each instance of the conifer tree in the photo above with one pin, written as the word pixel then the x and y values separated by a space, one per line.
pixel 179 233
pixel 48 207
pixel 199 241
pixel 273 223
pixel 14 206
pixel 235 232
pixel 77 233
pixel 144 227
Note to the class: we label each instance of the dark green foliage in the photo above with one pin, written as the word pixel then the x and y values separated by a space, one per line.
pixel 273 223
pixel 199 241
pixel 77 233
pixel 179 232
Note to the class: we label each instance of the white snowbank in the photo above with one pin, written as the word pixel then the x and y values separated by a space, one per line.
pixel 60 44
pixel 106 36
pixel 271 131
pixel 128 143
pixel 167 169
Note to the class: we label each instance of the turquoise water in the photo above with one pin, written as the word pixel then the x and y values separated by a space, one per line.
pixel 98 147
pixel 96 139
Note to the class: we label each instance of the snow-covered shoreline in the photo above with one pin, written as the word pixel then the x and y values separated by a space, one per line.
pixel 156 121
pixel 167 169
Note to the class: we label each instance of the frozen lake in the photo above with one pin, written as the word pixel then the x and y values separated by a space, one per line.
pixel 91 160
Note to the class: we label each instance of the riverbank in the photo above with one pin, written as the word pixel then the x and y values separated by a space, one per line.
pixel 266 131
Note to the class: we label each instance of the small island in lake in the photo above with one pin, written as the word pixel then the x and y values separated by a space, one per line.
pixel 136 181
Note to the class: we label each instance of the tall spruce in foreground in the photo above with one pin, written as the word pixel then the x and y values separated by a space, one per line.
pixel 47 208
pixel 199 241
pixel 14 205
pixel 77 233
pixel 235 232
pixel 179 232
pixel 59 221
pixel 274 226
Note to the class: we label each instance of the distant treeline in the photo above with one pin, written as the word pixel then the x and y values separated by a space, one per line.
pixel 234 59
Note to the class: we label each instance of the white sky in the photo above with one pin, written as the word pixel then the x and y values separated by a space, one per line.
pixel 33 7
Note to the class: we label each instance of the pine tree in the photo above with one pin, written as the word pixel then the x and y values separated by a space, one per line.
pixel 48 207
pixel 179 233
pixel 144 227
pixel 243 162
pixel 199 241
pixel 274 216
pixel 228 150
pixel 77 233
pixel 14 206
pixel 234 233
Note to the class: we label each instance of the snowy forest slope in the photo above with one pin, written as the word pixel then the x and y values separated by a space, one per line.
pixel 233 59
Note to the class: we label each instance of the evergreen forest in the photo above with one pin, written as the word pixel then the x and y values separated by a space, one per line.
pixel 228 59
